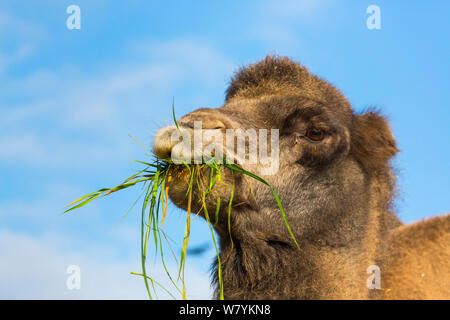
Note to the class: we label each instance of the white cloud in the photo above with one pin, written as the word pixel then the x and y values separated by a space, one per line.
pixel 75 120
pixel 19 54
pixel 41 208
pixel 276 23
pixel 20 37
pixel 188 59
pixel 11 24
pixel 52 151
pixel 103 108
pixel 32 268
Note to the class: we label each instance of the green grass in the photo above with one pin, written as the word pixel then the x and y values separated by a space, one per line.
pixel 155 177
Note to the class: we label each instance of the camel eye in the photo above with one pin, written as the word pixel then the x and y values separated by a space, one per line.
pixel 314 135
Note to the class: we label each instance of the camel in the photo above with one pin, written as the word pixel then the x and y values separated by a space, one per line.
pixel 336 184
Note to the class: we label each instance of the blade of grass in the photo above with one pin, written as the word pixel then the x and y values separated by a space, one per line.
pixel 153 280
pixel 173 113
pixel 219 264
pixel 186 235
pixel 169 179
pixel 86 196
pixel 229 210
pixel 143 244
pixel 140 143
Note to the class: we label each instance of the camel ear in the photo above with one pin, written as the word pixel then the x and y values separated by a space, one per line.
pixel 372 141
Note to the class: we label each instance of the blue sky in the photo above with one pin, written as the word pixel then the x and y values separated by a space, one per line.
pixel 69 99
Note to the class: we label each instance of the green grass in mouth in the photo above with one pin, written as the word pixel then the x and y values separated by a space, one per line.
pixel 155 177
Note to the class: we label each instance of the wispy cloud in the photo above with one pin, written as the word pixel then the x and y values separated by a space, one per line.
pixel 12 24
pixel 36 269
pixel 276 23
pixel 18 38
pixel 16 56
pixel 99 108
pixel 63 121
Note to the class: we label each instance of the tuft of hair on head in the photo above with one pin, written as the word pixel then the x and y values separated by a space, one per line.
pixel 272 71
pixel 283 76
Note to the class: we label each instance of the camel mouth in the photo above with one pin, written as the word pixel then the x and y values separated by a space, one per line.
pixel 201 178
pixel 213 170
pixel 182 161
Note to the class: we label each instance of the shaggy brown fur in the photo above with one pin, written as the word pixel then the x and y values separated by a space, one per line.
pixel 337 194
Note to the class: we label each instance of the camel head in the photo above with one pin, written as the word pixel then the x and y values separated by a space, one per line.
pixel 329 165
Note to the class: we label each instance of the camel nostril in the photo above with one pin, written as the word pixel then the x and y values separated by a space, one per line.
pixel 176 143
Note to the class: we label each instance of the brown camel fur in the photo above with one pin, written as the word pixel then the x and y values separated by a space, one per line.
pixel 336 185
